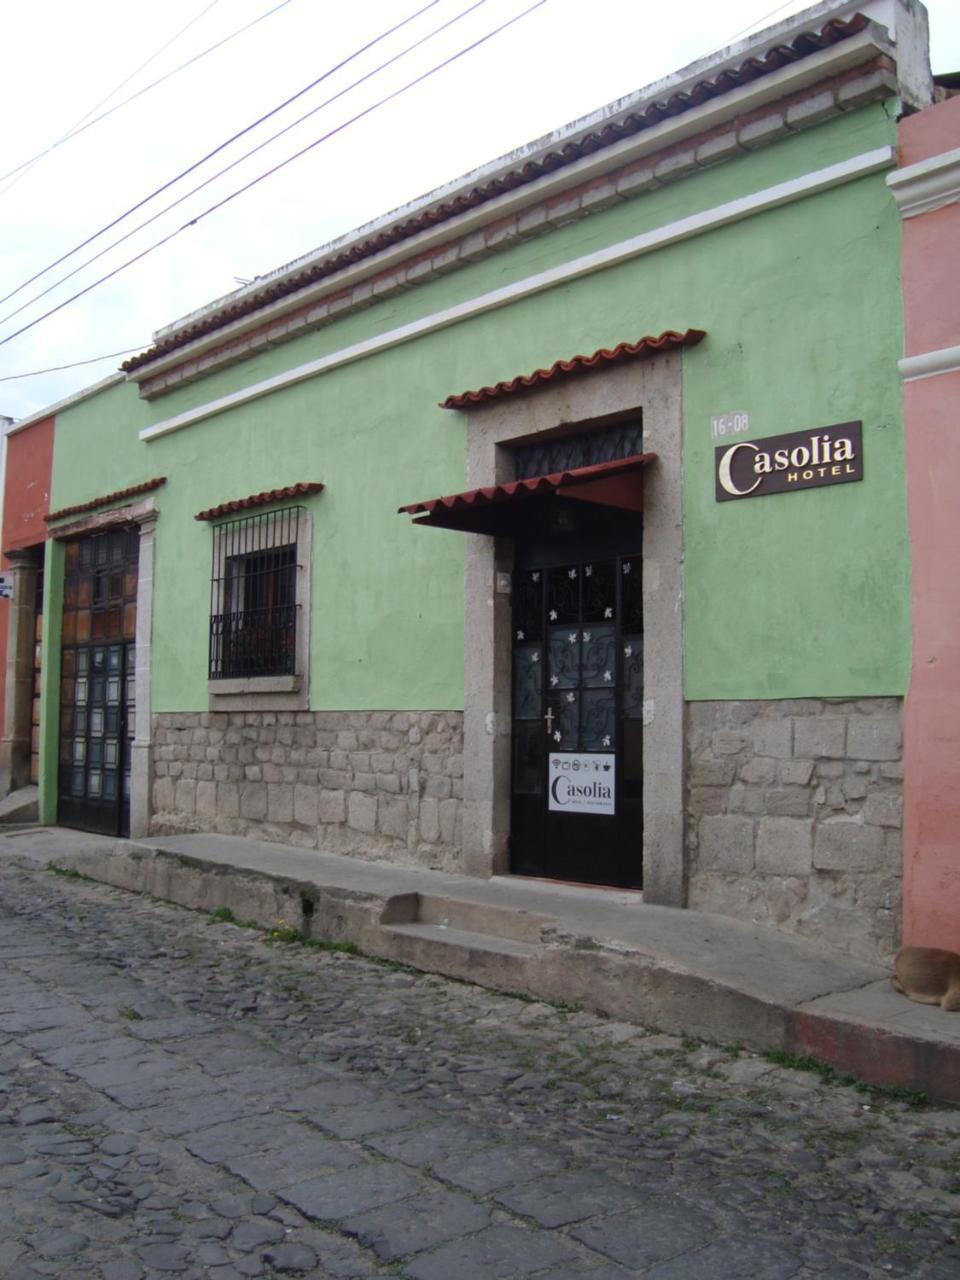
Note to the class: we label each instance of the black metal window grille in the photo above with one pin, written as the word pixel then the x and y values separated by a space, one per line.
pixel 564 453
pixel 253 595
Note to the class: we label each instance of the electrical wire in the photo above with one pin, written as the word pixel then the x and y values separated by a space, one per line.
pixel 210 154
pixel 74 364
pixel 756 22
pixel 390 97
pixel 96 107
pixel 233 164
pixel 82 128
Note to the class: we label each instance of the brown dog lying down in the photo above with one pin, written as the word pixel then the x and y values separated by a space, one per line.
pixel 928 975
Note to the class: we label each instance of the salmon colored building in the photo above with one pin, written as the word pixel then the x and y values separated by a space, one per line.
pixel 927 190
pixel 26 503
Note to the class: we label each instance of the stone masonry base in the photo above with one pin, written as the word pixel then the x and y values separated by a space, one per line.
pixel 382 784
pixel 795 811
pixel 794 808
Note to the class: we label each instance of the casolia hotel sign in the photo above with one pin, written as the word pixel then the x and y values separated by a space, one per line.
pixel 781 464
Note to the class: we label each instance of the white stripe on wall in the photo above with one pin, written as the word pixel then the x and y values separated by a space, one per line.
pixel 929 363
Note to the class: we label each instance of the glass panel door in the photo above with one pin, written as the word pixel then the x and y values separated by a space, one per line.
pixel 577 709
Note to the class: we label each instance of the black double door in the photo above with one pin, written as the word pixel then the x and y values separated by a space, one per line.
pixel 97 686
pixel 577 768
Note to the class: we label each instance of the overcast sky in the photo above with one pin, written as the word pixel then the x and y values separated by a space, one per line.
pixel 64 60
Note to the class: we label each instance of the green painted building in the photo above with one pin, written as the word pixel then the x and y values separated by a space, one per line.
pixel 623 657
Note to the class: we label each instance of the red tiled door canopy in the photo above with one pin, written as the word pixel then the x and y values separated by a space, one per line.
pixel 611 484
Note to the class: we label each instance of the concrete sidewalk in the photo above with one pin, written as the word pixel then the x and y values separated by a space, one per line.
pixel 685 972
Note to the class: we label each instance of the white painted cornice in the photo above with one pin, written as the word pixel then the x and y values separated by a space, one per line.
pixel 670 233
pixel 929 363
pixel 928 185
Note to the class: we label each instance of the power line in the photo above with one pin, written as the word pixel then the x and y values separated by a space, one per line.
pixel 126 80
pixel 756 22
pixel 74 364
pixel 82 128
pixel 390 97
pixel 209 156
pixel 232 165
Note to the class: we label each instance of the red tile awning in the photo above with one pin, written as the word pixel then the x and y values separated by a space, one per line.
pixel 302 489
pixel 560 370
pixel 502 508
pixel 132 491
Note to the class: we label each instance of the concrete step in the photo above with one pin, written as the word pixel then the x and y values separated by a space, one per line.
pixel 502 963
pixel 447 936
pixel 21 806
pixel 473 918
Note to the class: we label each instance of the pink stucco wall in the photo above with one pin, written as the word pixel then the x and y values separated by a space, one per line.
pixel 930 133
pixel 931 286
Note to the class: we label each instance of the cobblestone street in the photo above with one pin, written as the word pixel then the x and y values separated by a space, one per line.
pixel 184 1097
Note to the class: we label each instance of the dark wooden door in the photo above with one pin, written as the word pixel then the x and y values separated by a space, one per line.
pixel 577 793
pixel 97 693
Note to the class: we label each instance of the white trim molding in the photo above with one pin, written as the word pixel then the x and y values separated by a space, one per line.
pixel 782 193
pixel 928 185
pixel 930 363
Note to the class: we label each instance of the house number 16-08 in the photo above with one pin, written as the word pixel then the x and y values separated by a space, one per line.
pixel 723 425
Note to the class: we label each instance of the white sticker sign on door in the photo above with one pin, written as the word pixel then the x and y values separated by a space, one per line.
pixel 582 782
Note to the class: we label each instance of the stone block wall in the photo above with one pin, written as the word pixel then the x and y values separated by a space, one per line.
pixel 794 817
pixel 380 784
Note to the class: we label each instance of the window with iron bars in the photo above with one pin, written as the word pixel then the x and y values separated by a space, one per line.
pixel 253 595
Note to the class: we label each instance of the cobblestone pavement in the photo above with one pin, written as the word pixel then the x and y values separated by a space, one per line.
pixel 181 1098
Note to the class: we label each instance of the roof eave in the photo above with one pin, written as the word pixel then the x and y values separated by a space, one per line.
pixel 833 60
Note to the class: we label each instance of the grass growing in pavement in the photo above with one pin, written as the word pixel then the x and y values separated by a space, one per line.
pixel 321 944
pixel 283 934
pixel 223 915
pixel 68 873
pixel 830 1075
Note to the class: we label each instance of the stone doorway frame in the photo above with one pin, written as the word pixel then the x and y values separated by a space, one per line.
pixel 651 388
pixel 24 565
pixel 144 515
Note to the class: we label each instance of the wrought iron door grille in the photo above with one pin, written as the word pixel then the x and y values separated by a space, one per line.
pixel 578 691
pixel 585 449
pixel 253 595
pixel 98 629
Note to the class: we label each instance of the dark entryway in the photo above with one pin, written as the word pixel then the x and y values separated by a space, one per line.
pixel 97 667
pixel 577 771
pixel 574 515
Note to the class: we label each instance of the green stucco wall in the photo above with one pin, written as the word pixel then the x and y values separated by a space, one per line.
pixel 380 593
pixel 790 596
pixel 807 593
